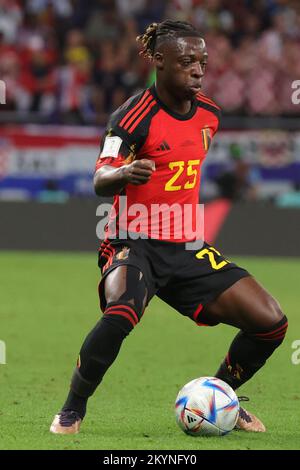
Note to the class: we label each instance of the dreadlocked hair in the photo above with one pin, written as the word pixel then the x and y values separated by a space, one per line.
pixel 168 29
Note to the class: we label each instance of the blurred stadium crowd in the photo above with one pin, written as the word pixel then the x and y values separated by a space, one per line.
pixel 74 61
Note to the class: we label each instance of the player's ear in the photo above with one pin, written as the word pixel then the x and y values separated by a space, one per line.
pixel 158 60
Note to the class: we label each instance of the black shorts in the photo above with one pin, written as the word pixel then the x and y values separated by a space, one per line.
pixel 185 279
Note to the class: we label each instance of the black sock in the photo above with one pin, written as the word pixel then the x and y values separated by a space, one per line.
pixel 249 352
pixel 98 352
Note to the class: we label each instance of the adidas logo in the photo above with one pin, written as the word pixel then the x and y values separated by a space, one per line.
pixel 190 419
pixel 164 146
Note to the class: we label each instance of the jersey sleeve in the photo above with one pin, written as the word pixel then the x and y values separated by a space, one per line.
pixel 120 144
pixel 114 150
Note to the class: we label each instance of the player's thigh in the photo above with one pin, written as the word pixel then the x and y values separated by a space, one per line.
pixel 245 305
pixel 184 297
pixel 125 283
pixel 204 275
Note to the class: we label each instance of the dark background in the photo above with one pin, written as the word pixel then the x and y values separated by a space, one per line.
pixel 250 229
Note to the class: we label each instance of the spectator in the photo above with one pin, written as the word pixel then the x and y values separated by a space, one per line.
pixel 75 61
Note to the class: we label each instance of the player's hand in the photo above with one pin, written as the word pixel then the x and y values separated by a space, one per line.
pixel 138 172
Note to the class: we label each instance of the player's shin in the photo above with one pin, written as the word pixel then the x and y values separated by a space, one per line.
pixel 98 352
pixel 249 352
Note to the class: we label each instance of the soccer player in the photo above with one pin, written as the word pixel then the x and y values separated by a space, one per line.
pixel 152 153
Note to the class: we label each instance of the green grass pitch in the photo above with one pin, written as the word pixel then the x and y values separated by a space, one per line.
pixel 49 302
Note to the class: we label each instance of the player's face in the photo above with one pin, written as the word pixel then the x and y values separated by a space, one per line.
pixel 183 66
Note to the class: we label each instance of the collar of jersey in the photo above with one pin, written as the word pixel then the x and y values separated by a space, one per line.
pixel 180 117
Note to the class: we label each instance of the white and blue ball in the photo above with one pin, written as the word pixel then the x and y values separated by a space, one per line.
pixel 206 406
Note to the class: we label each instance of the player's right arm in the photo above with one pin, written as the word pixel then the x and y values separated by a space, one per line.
pixel 126 133
pixel 109 180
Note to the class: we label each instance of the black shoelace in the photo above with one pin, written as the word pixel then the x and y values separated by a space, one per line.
pixel 68 418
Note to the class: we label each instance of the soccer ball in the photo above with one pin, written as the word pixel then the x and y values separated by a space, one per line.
pixel 206 406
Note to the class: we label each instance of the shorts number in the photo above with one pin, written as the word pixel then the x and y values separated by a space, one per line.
pixel 210 252
pixel 190 171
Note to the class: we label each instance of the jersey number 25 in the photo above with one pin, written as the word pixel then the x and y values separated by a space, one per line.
pixel 190 169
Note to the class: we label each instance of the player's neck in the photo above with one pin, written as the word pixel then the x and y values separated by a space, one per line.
pixel 175 105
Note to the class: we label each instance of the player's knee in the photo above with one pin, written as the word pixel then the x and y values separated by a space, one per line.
pixel 271 312
pixel 122 315
pixel 131 295
pixel 134 301
pixel 273 321
pixel 125 307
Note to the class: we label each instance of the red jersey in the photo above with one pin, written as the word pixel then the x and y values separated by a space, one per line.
pixel 145 128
